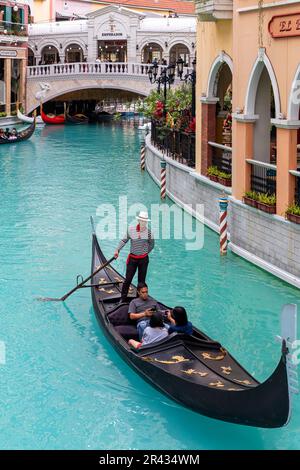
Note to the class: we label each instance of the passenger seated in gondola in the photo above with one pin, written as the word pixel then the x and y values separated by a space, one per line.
pixel 179 321
pixel 156 331
pixel 2 134
pixel 14 134
pixel 142 308
pixel 7 132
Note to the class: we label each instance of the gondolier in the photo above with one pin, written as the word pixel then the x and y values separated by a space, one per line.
pixel 142 243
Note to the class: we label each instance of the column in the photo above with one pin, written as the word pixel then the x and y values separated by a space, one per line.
pixel 242 149
pixel 286 143
pixel 22 89
pixel 7 81
pixel 208 133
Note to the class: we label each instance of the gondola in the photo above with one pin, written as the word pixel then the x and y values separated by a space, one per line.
pixel 104 116
pixel 195 371
pixel 77 119
pixel 29 119
pixel 52 118
pixel 22 135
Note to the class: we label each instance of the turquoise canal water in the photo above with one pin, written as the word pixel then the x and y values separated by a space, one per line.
pixel 63 386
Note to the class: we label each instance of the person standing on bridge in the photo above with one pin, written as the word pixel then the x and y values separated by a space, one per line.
pixel 141 244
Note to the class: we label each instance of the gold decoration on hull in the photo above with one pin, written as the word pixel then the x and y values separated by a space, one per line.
pixel 110 291
pixel 218 384
pixel 175 360
pixel 209 356
pixel 226 370
pixel 244 382
pixel 196 372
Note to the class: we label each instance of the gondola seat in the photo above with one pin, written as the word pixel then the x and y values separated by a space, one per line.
pixel 123 325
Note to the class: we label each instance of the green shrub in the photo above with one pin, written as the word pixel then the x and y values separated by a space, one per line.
pixel 269 199
pixel 3 114
pixel 212 171
pixel 293 209
pixel 226 176
pixel 252 195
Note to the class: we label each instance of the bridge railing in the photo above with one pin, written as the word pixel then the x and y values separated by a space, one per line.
pixel 91 68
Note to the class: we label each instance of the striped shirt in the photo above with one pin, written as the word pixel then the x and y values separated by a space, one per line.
pixel 141 242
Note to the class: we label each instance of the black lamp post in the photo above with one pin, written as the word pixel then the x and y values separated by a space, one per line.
pixel 189 77
pixel 166 77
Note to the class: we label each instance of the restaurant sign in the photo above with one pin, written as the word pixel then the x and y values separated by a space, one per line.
pixel 7 53
pixel 284 26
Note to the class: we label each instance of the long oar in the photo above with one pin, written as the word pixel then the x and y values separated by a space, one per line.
pixel 64 297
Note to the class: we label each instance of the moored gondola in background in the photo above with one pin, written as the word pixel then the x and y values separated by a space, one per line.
pixel 77 119
pixel 196 371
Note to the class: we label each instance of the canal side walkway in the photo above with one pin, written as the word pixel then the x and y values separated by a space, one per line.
pixel 269 241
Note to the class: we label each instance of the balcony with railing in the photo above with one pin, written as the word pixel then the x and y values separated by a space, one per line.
pixel 296 175
pixel 263 177
pixel 8 28
pixel 176 144
pixel 213 10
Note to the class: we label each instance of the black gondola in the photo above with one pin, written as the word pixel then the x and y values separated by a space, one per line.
pixel 77 119
pixel 194 370
pixel 21 135
pixel 104 116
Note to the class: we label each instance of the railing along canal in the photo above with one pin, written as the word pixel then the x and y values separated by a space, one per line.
pixel 175 144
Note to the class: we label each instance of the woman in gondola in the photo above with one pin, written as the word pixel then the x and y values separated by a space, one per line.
pixel 156 331
pixel 179 321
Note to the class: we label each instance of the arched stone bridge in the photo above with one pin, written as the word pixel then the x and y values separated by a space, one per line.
pixel 46 82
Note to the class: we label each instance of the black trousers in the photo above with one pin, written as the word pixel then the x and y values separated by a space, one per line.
pixel 132 266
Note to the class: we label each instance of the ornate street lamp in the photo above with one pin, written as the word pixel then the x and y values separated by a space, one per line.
pixel 167 76
pixel 189 77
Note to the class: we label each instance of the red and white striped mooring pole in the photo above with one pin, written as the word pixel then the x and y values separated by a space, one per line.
pixel 163 177
pixel 143 150
pixel 223 204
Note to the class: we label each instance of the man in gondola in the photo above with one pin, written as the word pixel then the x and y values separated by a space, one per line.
pixel 141 244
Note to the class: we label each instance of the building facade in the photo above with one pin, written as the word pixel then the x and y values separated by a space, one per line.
pixel 116 35
pixel 51 10
pixel 13 54
pixel 248 120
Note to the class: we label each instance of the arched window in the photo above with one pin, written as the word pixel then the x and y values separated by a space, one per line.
pixel 31 59
pixel 73 53
pixel 150 52
pixel 50 55
pixel 180 51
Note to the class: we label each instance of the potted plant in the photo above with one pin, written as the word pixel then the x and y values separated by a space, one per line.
pixel 224 178
pixel 293 213
pixel 267 203
pixel 251 198
pixel 213 173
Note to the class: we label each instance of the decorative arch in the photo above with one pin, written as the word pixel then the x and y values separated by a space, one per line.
pixel 261 62
pixel 218 62
pixel 50 50
pixel 69 46
pixel 180 40
pixel 31 57
pixel 154 46
pixel 174 52
pixel 56 94
pixel 145 41
pixel 122 26
pixel 294 97
pixel 47 42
